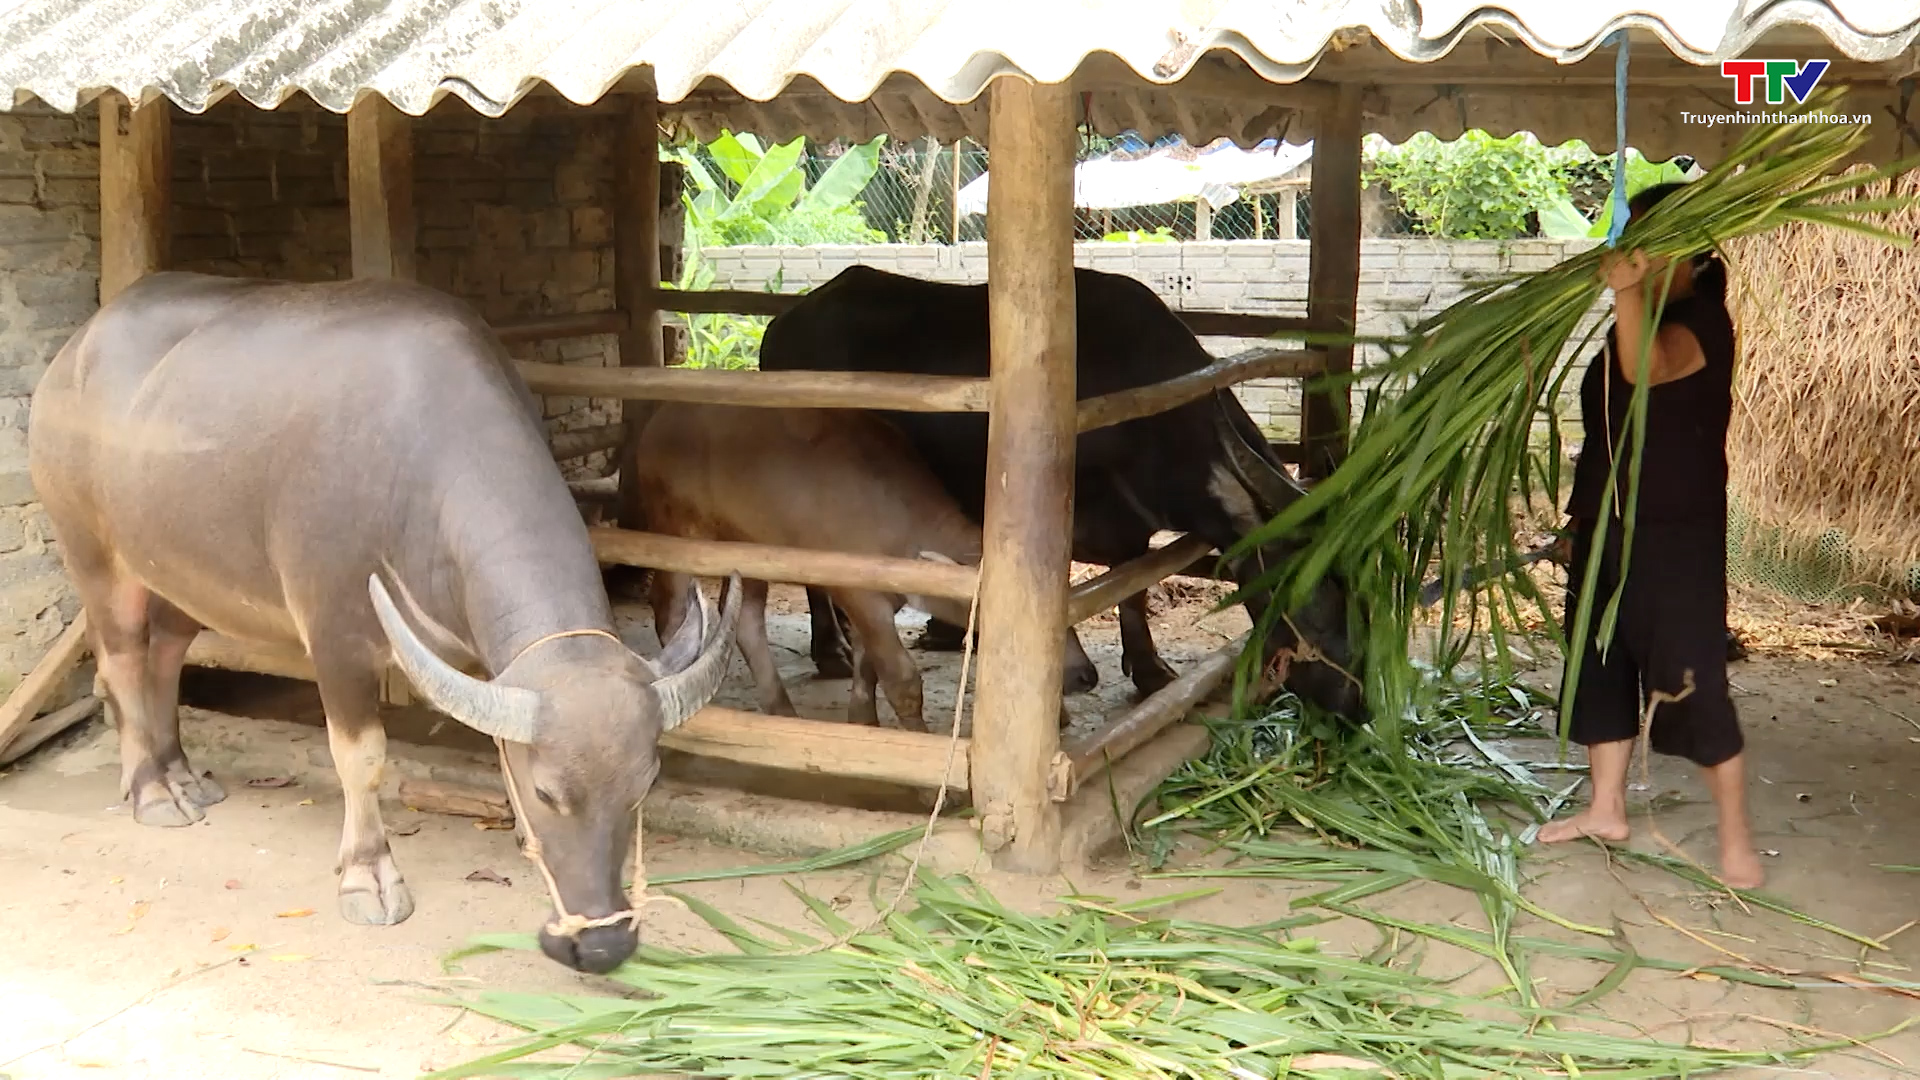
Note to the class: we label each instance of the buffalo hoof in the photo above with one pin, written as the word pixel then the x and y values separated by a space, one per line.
pixel 375 895
pixel 179 798
pixel 1150 680
pixel 1079 678
pixel 204 790
pixel 941 637
pixel 165 810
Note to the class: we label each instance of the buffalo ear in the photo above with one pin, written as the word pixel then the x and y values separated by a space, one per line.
pixel 504 712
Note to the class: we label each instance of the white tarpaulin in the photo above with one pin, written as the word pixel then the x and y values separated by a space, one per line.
pixel 1215 175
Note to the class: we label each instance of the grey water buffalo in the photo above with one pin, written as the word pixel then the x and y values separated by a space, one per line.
pixel 357 470
pixel 1202 468
pixel 826 479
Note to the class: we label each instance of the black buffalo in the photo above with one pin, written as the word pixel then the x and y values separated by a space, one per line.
pixel 1202 468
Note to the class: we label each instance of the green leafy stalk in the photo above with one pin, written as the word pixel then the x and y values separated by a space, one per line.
pixel 1444 443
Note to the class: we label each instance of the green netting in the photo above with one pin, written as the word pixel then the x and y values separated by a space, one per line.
pixel 1818 567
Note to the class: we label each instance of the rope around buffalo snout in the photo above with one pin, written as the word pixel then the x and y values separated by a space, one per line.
pixel 569 925
pixel 566 924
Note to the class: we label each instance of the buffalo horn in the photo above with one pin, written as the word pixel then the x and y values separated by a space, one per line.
pixel 1267 484
pixel 686 692
pixel 504 712
pixel 687 641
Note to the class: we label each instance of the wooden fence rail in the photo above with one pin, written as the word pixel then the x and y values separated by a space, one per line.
pixel 746 302
pixel 1121 406
pixel 798 566
pixel 915 759
pixel 774 389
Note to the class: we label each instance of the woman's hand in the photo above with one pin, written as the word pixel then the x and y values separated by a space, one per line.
pixel 1621 272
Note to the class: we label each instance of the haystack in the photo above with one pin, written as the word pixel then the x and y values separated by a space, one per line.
pixel 1824 449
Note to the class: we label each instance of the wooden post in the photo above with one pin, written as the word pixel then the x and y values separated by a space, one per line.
pixel 381 229
pixel 380 189
pixel 25 701
pixel 636 271
pixel 1030 445
pixel 1333 272
pixel 136 177
pixel 1286 215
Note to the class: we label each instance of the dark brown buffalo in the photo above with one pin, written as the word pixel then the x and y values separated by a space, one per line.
pixel 1202 468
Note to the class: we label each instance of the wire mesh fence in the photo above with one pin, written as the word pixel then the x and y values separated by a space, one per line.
pixel 924 192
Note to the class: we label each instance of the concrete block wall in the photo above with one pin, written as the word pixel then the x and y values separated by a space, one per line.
pixel 1401 282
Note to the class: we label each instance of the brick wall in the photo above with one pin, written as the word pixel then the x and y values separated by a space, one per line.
pixel 49 284
pixel 1401 282
pixel 514 216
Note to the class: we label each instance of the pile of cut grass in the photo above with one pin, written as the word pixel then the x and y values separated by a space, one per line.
pixel 962 986
pixel 1438 801
pixel 958 985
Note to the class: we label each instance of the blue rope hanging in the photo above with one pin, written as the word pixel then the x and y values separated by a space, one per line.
pixel 1619 220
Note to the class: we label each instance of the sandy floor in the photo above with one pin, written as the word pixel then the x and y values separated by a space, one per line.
pixel 216 951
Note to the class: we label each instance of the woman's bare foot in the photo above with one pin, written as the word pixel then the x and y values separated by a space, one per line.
pixel 1739 863
pixel 1591 822
pixel 1740 867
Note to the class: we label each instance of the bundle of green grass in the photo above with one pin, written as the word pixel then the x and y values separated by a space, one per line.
pixel 1444 456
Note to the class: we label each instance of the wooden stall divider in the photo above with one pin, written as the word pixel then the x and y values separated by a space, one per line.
pixel 1136 726
pixel 1095 595
pixel 798 566
pixel 636 276
pixel 915 759
pixel 380 211
pixel 1121 406
pixel 1333 274
pixel 775 389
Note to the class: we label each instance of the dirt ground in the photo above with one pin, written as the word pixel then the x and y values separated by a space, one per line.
pixel 216 950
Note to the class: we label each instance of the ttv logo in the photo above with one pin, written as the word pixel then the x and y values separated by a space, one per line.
pixel 1782 77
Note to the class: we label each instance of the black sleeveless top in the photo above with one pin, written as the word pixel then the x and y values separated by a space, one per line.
pixel 1683 473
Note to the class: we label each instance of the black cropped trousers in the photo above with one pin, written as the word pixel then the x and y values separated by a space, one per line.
pixel 1673 619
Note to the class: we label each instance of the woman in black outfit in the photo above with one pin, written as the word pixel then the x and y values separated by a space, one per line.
pixel 1674 608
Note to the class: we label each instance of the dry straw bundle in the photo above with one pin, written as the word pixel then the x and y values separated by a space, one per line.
pixel 1824 449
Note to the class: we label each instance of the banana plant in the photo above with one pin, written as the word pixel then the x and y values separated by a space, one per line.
pixel 743 192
